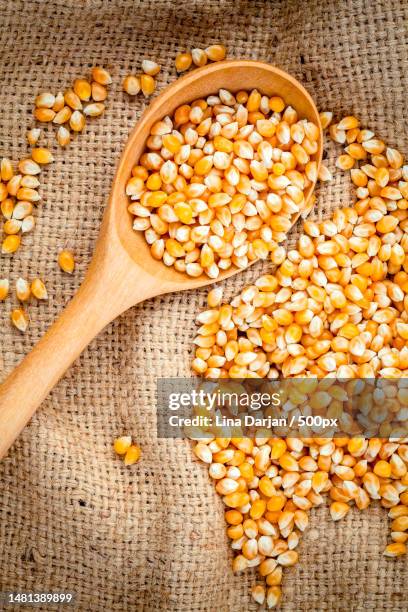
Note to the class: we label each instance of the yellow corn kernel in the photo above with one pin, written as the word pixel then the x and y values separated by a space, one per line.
pixel 216 53
pixel 23 290
pixel 63 136
pixel 254 101
pixel 132 455
pixel 19 319
pixel 235 532
pixel 266 128
pixel 288 558
pixel 42 155
pixel 172 143
pixel 4 288
pixel 387 224
pixel 400 523
pixel 101 76
pixel 199 57
pixel 45 100
pixel 236 500
pixel 38 289
pixel 382 469
pixel 345 162
pixel 147 84
pixel 273 596
pixel 12 226
pixel 223 144
pixel 6 170
pixel 10 244
pixel 98 92
pixel 77 121
pixel 82 88
pixel 44 114
pixel 131 85
pixel 122 444
pixel 338 510
pixel 257 509
pixel 59 102
pixel 239 564
pixel 356 151
pixel 94 110
pixel 33 135
pixel 72 100
pixel 233 517
pixel 66 261
pixel 183 212
pixel 151 68
pixel 258 593
pixel 396 549
pixel 288 463
pixel 326 118
pixel 63 115
pixel 276 104
pixel 348 123
pixel 183 62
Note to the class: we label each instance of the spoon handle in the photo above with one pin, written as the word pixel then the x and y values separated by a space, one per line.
pixel 104 294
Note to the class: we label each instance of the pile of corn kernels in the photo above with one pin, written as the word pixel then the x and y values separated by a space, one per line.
pixel 336 307
pixel 222 181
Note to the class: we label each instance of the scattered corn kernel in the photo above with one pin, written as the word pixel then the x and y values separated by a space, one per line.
pixel 101 76
pixel 77 121
pixel 99 93
pixel 33 136
pixel 23 290
pixel 122 444
pixel 4 288
pixel 147 84
pixel 82 88
pixel 132 455
pixel 6 170
pixel 42 155
pixel 73 100
pixel 63 115
pixel 94 110
pixel 131 85
pixel 66 261
pixel 10 244
pixel 199 57
pixel 19 319
pixel 45 100
pixel 183 62
pixel 216 53
pixel 44 115
pixel 27 224
pixel 38 289
pixel 151 68
pixel 63 136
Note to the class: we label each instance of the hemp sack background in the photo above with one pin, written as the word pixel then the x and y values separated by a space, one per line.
pixel 72 516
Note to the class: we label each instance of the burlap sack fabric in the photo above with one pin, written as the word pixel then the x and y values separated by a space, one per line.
pixel 72 516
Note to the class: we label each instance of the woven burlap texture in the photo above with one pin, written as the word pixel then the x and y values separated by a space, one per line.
pixel 72 516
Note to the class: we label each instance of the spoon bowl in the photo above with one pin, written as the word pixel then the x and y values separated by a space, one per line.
pixel 233 75
pixel 122 272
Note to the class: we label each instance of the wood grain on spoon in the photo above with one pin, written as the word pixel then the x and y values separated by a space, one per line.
pixel 122 272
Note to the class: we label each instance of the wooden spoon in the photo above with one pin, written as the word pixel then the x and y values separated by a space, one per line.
pixel 122 272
